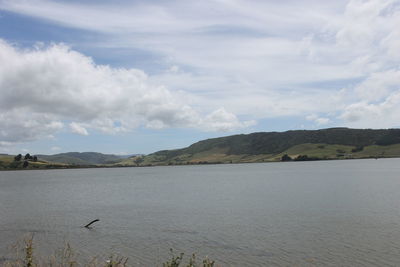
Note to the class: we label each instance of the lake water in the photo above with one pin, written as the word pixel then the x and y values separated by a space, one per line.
pixel 326 213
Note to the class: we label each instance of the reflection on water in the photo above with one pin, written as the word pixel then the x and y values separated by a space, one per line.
pixel 304 213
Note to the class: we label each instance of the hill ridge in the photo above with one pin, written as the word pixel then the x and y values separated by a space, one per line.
pixel 275 143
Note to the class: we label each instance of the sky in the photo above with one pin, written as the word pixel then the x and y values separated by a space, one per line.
pixel 127 77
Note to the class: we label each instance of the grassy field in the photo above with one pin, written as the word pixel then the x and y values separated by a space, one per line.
pixel 391 151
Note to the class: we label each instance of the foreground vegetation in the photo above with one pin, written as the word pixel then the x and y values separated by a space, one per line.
pixel 26 257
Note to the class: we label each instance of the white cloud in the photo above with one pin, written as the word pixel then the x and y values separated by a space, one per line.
pixel 263 42
pixel 322 121
pixel 174 69
pixel 221 120
pixel 357 112
pixel 379 85
pixel 22 124
pixel 43 87
pixel 78 129
pixel 376 99
pixel 382 114
pixel 258 60
pixel 318 120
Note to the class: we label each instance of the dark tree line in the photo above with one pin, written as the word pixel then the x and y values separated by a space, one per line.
pixel 26 158
pixel 286 157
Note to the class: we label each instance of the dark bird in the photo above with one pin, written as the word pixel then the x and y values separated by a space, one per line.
pixel 89 224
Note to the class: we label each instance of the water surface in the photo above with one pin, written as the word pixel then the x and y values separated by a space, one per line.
pixel 326 213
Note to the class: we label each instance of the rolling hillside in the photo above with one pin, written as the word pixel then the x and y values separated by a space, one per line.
pixel 333 143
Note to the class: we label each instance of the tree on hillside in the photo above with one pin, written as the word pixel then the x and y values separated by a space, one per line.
pixel 27 156
pixel 18 157
pixel 34 158
pixel 286 157
pixel 302 158
pixel 26 163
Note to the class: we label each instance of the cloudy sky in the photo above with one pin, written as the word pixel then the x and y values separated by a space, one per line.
pixel 139 76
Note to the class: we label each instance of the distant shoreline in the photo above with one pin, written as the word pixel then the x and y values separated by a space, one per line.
pixel 297 145
pixel 174 165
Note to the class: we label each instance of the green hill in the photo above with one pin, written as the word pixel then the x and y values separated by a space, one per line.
pixel 333 143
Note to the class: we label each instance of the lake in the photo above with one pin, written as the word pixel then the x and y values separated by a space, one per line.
pixel 325 213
